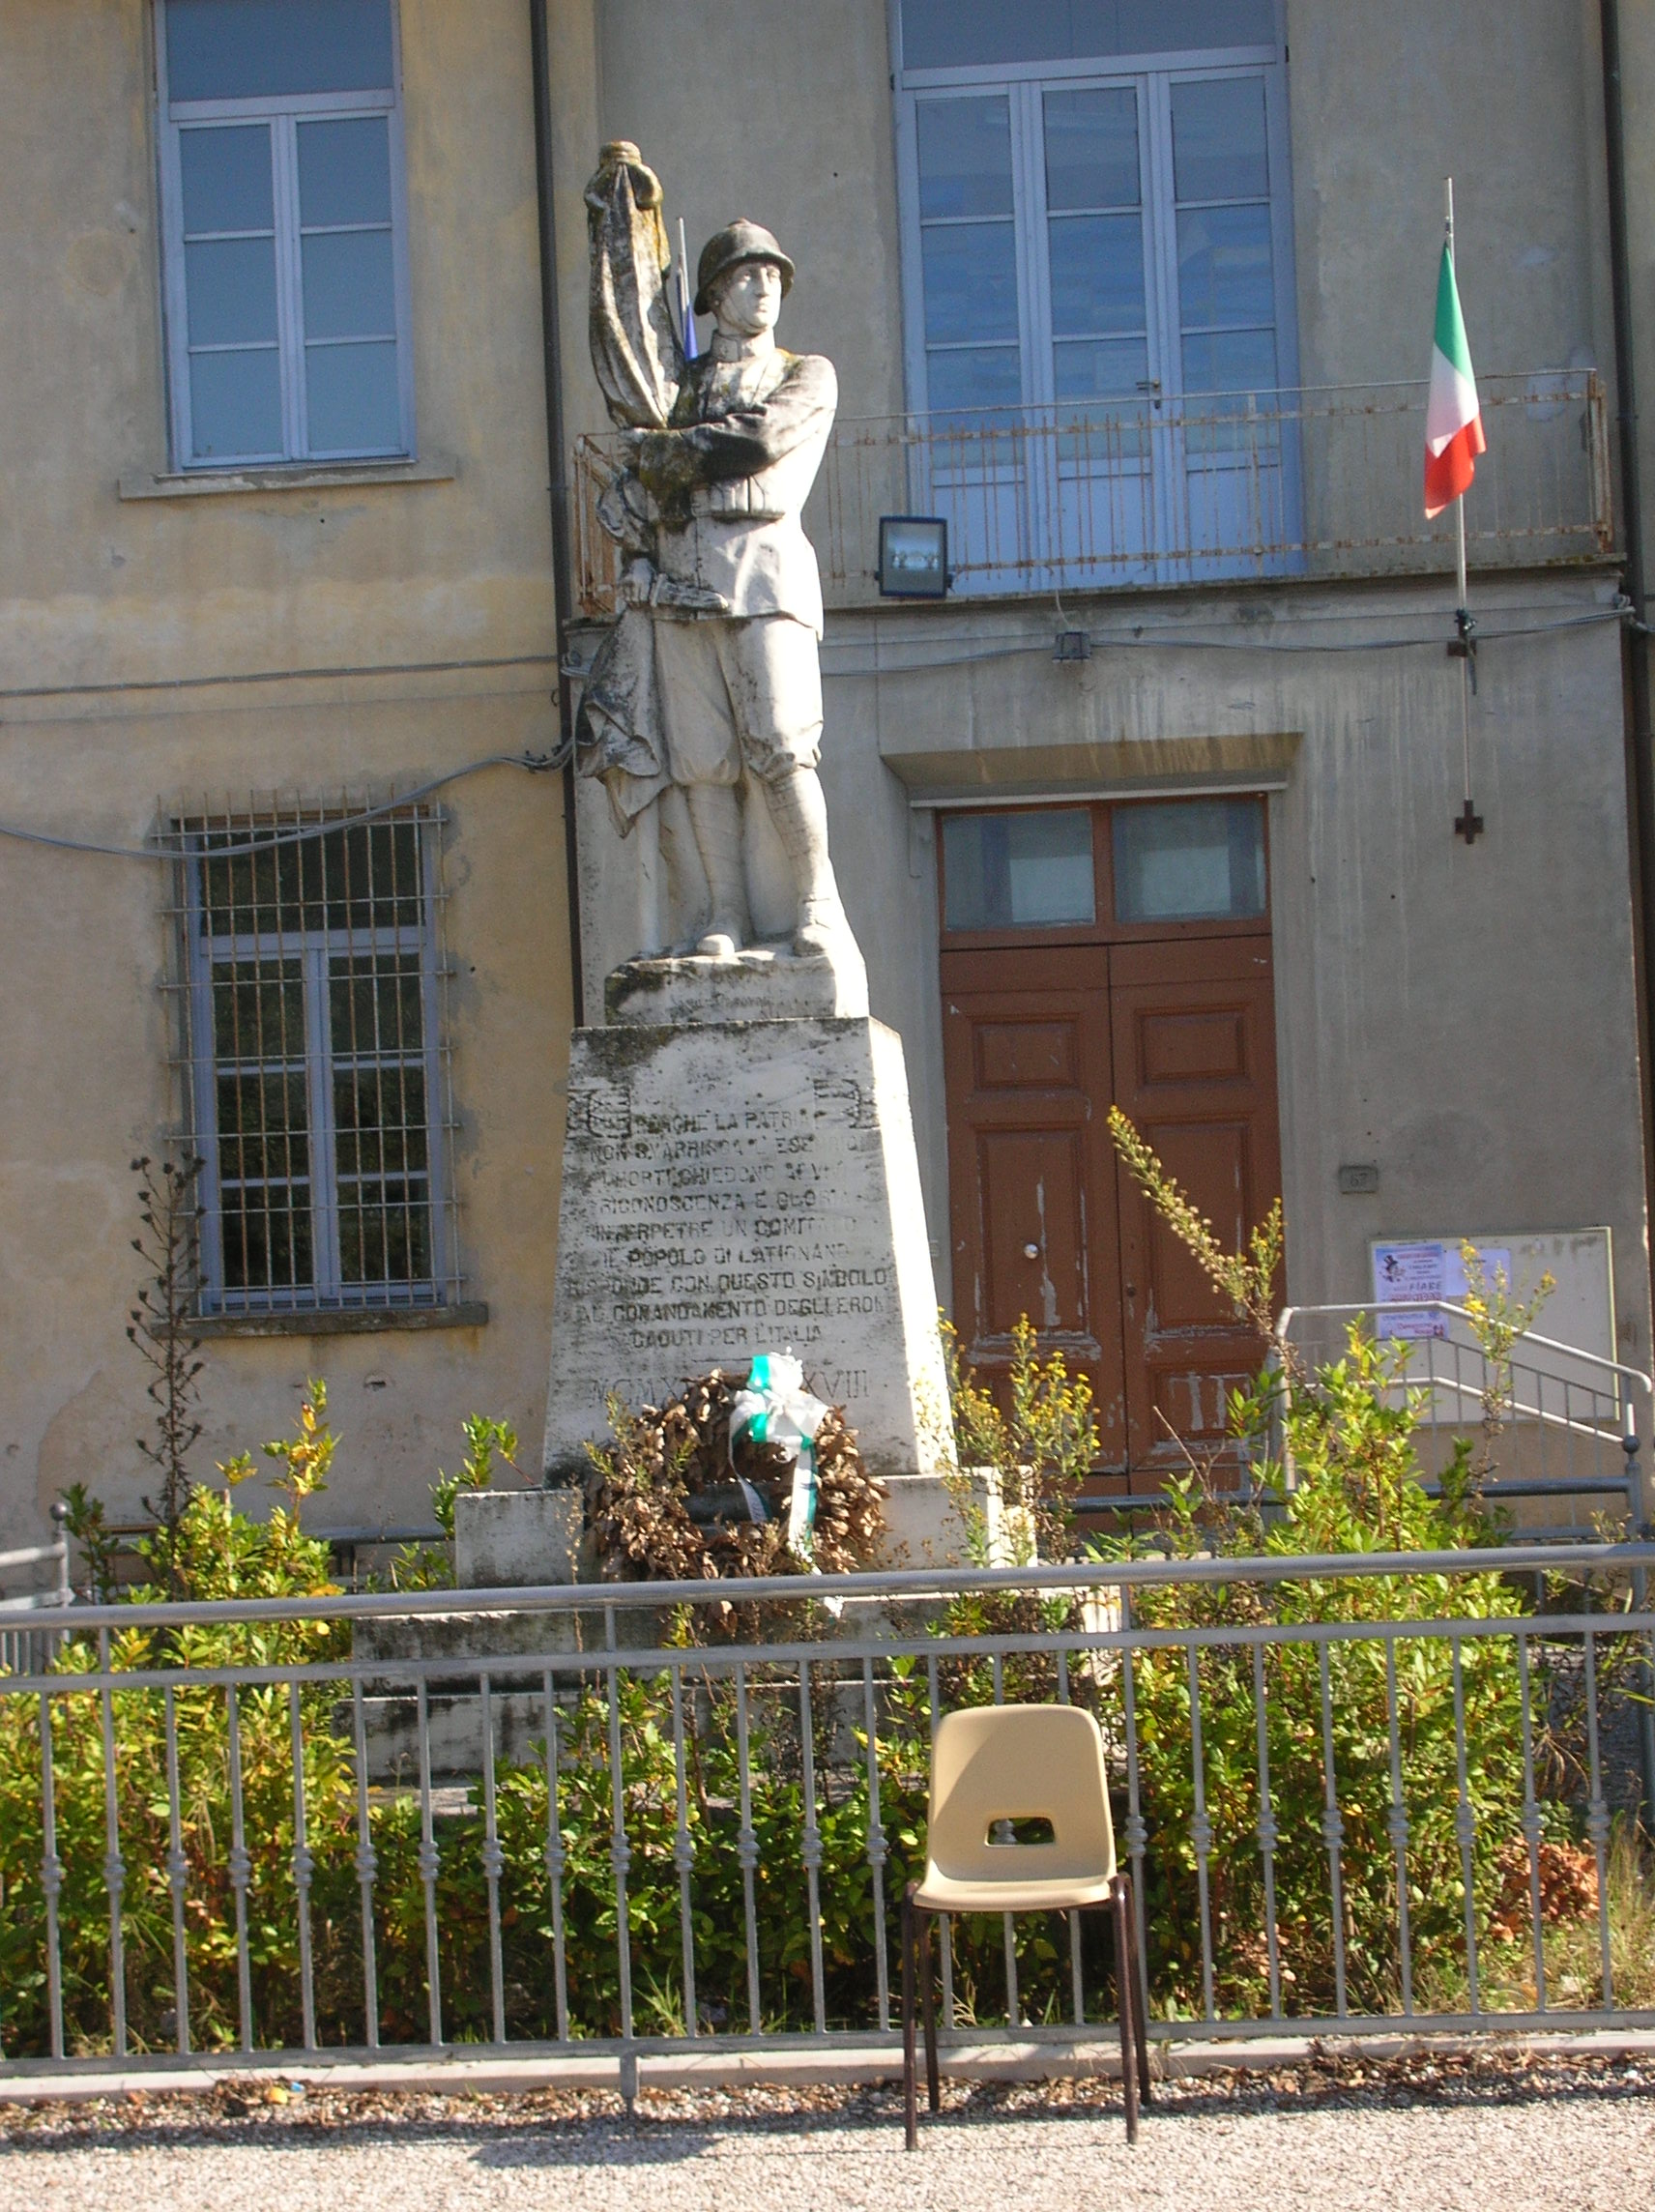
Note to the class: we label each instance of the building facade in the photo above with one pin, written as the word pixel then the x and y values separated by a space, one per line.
pixel 1156 806
pixel 277 552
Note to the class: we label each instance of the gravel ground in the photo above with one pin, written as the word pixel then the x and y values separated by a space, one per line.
pixel 1497 2133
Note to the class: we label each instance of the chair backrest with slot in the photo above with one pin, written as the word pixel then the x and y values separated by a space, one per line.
pixel 1020 1763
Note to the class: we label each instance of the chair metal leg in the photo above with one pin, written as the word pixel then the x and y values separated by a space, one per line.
pixel 930 1924
pixel 1125 1997
pixel 1140 2008
pixel 910 2112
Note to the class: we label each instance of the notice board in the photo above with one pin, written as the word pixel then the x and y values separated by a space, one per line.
pixel 1580 1312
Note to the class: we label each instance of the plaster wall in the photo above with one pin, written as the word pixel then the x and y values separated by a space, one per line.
pixel 1638 82
pixel 434 597
pixel 85 1086
pixel 1463 1017
pixel 1383 104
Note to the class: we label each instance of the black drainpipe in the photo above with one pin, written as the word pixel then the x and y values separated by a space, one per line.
pixel 1636 647
pixel 1637 734
pixel 557 456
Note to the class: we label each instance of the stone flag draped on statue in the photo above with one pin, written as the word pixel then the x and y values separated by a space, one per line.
pixel 1453 420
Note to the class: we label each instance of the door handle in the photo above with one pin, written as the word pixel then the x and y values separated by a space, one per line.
pixel 1031 1251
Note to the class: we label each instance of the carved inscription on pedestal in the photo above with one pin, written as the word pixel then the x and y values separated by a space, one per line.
pixel 728 1225
pixel 727 1191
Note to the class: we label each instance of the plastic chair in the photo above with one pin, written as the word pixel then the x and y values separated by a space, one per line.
pixel 1010 1763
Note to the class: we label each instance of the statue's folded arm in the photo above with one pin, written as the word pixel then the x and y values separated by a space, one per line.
pixel 748 439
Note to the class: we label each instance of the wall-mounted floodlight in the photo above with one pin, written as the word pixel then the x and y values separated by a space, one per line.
pixel 914 557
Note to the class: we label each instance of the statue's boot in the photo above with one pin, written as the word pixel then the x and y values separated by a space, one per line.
pixel 715 817
pixel 799 813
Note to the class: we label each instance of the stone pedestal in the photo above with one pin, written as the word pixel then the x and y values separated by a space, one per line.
pixel 735 1186
pixel 506 1539
pixel 764 984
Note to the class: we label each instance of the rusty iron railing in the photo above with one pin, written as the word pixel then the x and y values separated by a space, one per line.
pixel 1323 481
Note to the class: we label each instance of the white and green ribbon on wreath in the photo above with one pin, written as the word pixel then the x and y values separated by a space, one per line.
pixel 775 1407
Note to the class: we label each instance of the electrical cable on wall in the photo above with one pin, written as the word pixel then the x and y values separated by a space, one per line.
pixel 230 680
pixel 1175 642
pixel 536 763
pixel 542 764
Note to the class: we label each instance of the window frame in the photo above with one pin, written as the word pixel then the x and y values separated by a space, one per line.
pixel 283 112
pixel 1150 77
pixel 252 954
pixel 1103 928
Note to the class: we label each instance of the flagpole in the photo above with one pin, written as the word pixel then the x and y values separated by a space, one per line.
pixel 1469 821
pixel 1459 503
pixel 686 300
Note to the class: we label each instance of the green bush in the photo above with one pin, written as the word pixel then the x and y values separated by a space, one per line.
pixel 1350 1437
pixel 1348 1481
pixel 1357 1489
pixel 216 1550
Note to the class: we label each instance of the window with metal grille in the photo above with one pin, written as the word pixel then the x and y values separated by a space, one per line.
pixel 312 981
pixel 285 234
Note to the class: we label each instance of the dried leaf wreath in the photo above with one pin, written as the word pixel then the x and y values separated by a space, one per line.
pixel 667 1503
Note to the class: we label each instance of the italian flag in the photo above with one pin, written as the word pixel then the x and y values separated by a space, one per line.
pixel 1453 420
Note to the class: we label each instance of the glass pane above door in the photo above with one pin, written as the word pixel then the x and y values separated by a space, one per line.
pixel 1189 860
pixel 225 176
pixel 965 157
pixel 1091 149
pixel 1218 139
pixel 1032 869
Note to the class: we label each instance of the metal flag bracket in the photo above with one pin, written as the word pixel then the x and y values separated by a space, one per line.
pixel 1462 645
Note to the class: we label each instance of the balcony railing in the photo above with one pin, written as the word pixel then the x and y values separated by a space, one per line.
pixel 1319 481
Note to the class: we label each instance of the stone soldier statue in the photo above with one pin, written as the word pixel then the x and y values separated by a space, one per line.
pixel 721 684
pixel 741 690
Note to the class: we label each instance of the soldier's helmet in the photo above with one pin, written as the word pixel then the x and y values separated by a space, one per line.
pixel 727 249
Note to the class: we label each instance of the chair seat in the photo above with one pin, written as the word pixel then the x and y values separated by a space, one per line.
pixel 939 1893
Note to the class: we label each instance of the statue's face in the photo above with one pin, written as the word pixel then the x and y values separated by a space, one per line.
pixel 749 299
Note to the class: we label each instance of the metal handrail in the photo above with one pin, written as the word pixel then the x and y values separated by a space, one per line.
pixel 872 1586
pixel 1290 1314
pixel 34 1555
pixel 1631 1479
pixel 1179 488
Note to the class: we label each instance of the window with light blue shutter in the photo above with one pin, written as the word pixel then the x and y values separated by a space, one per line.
pixel 286 262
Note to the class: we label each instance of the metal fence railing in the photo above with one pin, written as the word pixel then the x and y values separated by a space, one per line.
pixel 1203 488
pixel 25 1646
pixel 1354 1791
pixel 1563 1426
pixel 361 1555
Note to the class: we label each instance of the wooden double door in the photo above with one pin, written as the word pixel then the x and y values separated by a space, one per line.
pixel 1038 1043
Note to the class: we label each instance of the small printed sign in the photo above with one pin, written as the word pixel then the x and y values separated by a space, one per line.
pixel 1426 1271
